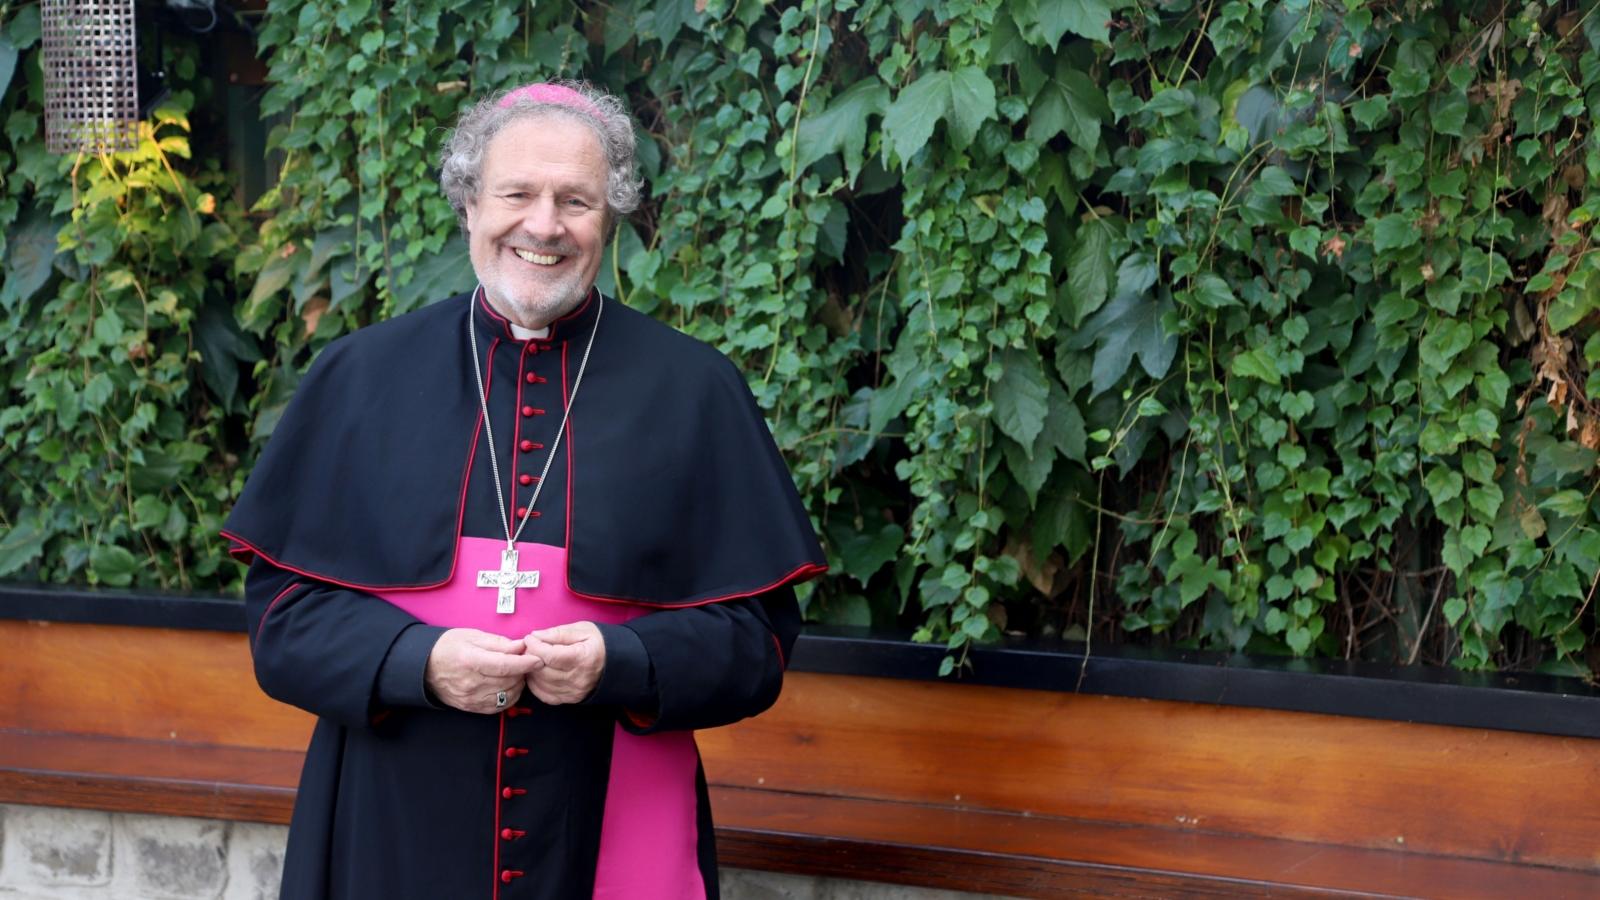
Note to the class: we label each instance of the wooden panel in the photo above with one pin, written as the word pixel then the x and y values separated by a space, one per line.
pixel 1220 770
pixel 158 777
pixel 1323 779
pixel 1037 857
pixel 146 683
pixel 902 843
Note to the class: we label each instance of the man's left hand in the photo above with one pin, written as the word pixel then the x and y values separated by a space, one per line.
pixel 574 656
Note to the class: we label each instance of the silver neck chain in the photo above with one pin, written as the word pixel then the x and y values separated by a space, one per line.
pixel 488 430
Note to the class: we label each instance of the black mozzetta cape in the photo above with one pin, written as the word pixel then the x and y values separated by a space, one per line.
pixel 675 492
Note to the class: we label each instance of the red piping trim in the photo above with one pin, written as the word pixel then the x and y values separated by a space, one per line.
pixel 494 876
pixel 516 438
pixel 264 613
pixel 482 298
pixel 593 293
pixel 804 571
pixel 783 664
pixel 334 581
pixel 801 573
pixel 242 545
pixel 566 403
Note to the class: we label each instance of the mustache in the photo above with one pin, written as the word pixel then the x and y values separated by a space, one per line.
pixel 552 248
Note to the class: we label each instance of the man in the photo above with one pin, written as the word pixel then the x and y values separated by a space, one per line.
pixel 512 548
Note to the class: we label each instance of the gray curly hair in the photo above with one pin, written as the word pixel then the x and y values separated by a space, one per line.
pixel 461 164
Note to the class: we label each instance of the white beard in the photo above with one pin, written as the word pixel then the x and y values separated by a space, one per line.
pixel 534 305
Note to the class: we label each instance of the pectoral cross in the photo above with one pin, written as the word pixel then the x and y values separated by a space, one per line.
pixel 507 579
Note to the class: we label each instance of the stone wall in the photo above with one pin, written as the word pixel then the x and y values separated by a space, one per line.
pixel 71 854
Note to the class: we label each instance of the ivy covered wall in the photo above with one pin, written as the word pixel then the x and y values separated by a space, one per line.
pixel 1235 324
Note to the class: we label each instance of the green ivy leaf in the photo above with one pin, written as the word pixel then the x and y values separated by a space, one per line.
pixel 1486 500
pixel 1443 343
pixel 25 27
pixel 20 545
pixel 1007 46
pixel 1275 182
pixel 850 609
pixel 1258 112
pixel 972 102
pixel 113 565
pixel 1030 466
pixel 1297 404
pixel 434 277
pixel 1478 465
pixel 966 97
pixel 1566 503
pixel 1443 484
pixel 274 277
pixel 1448 113
pixel 1088 270
pixel 1456 558
pixel 1043 22
pixel 1070 103
pixel 1021 397
pixel 30 256
pixel 1064 426
pixel 842 128
pixel 1370 112
pixel 1256 364
pixel 1475 540
pixel 1127 327
pixel 862 553
pixel 8 61
pixel 1394 232
pixel 1212 292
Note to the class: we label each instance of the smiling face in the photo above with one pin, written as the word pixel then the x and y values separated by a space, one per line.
pixel 537 227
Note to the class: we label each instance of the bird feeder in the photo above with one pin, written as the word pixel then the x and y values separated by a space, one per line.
pixel 91 84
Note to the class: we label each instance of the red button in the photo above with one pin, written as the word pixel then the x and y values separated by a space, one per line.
pixel 516 751
pixel 511 834
pixel 510 792
pixel 527 410
pixel 507 874
pixel 531 348
pixel 531 378
pixel 522 511
pixel 527 446
pixel 525 479
pixel 515 711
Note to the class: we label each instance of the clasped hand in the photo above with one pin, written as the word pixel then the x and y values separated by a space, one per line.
pixel 468 668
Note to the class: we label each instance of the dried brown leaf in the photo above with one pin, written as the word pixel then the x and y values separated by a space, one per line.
pixel 834 315
pixel 1042 576
pixel 312 312
pixel 1589 434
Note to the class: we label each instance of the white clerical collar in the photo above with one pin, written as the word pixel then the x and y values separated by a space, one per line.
pixel 524 334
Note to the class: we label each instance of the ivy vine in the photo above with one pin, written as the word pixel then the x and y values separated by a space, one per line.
pixel 1255 326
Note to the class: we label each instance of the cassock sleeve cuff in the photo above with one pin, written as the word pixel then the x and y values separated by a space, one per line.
pixel 401 678
pixel 626 680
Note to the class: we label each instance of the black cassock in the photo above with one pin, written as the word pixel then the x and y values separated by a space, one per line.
pixel 666 516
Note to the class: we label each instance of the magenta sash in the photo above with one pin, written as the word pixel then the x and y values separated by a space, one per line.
pixel 648 842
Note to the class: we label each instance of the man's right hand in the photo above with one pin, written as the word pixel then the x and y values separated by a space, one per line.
pixel 468 667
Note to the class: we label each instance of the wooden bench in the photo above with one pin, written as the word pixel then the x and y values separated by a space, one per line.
pixel 1030 793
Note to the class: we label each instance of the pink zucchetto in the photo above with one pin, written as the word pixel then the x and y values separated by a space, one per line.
pixel 553 94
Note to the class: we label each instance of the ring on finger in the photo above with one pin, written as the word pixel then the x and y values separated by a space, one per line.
pixel 501 698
